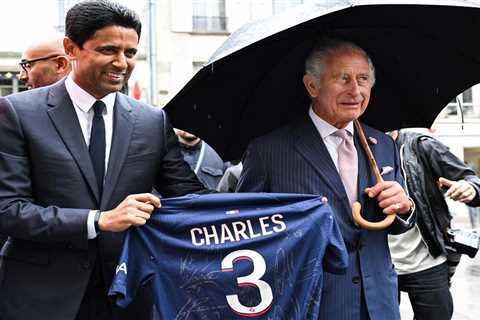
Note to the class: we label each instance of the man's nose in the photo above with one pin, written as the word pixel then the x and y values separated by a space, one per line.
pixel 354 87
pixel 120 61
pixel 23 76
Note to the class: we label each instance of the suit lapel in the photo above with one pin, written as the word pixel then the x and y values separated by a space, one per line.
pixel 65 120
pixel 122 131
pixel 310 145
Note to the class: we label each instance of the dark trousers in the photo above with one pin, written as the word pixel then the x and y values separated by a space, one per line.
pixel 97 306
pixel 429 293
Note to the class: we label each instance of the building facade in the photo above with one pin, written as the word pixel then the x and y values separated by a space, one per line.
pixel 179 36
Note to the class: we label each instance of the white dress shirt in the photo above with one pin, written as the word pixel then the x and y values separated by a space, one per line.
pixel 83 102
pixel 326 131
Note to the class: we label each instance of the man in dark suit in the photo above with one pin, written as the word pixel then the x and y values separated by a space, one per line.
pixel 78 160
pixel 319 153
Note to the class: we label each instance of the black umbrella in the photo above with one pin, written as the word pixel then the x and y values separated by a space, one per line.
pixel 425 53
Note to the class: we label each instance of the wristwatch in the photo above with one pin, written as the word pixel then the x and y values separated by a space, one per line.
pixel 95 221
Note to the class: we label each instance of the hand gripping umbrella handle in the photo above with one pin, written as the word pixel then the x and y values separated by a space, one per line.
pixel 357 207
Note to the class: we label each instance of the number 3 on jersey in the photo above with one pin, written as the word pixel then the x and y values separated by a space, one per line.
pixel 252 280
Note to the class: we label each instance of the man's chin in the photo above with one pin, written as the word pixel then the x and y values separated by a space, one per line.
pixel 114 87
pixel 354 114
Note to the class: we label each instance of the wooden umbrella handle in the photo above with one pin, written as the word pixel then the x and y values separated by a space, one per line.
pixel 365 224
pixel 357 207
pixel 368 152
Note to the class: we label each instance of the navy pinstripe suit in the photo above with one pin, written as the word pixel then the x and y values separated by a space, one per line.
pixel 295 159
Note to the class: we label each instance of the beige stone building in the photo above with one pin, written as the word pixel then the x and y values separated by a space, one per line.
pixel 179 36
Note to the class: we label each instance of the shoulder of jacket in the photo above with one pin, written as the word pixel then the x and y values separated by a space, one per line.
pixel 28 97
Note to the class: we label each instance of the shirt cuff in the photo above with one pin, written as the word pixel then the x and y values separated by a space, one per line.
pixel 406 217
pixel 91 232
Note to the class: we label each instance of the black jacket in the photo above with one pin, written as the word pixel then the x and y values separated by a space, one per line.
pixel 424 161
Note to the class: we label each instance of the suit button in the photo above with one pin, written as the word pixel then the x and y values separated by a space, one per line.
pixel 86 265
pixel 356 280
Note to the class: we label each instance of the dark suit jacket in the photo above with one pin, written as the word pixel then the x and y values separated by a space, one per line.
pixel 295 159
pixel 47 187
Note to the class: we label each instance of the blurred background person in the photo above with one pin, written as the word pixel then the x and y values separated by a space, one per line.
pixel 203 159
pixel 422 261
pixel 44 62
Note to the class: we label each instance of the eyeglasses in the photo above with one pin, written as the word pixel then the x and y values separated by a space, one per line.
pixel 27 64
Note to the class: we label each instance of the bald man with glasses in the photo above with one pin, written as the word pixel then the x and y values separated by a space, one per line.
pixel 44 62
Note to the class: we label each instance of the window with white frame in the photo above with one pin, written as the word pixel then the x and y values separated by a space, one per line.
pixel 282 5
pixel 209 16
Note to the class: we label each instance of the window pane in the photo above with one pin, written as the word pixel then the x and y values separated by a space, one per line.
pixel 209 16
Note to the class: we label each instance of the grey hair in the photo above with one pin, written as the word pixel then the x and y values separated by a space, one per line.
pixel 315 62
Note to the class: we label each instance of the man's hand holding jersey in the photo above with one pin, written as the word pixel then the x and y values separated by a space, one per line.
pixel 135 210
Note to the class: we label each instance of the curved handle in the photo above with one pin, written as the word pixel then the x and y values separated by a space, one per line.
pixel 356 206
pixel 380 225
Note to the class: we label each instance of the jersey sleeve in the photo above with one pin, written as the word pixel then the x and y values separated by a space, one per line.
pixel 134 270
pixel 335 259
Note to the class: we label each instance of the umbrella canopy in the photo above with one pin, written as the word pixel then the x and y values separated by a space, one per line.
pixel 424 52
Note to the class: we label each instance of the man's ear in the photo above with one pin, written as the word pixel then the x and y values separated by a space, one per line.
pixel 70 48
pixel 63 64
pixel 310 84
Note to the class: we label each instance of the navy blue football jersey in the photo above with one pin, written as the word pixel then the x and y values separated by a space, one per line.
pixel 230 256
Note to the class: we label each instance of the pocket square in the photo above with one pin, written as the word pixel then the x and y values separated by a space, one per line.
pixel 386 170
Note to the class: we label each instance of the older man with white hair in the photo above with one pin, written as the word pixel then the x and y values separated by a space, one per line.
pixel 319 153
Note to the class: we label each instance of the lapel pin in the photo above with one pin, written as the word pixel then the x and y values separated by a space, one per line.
pixel 372 140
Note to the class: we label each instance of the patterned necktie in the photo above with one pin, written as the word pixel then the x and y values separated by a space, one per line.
pixel 347 164
pixel 97 143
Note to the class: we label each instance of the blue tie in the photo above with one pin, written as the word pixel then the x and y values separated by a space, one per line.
pixel 97 143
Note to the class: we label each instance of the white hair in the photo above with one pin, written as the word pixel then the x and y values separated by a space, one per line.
pixel 315 62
